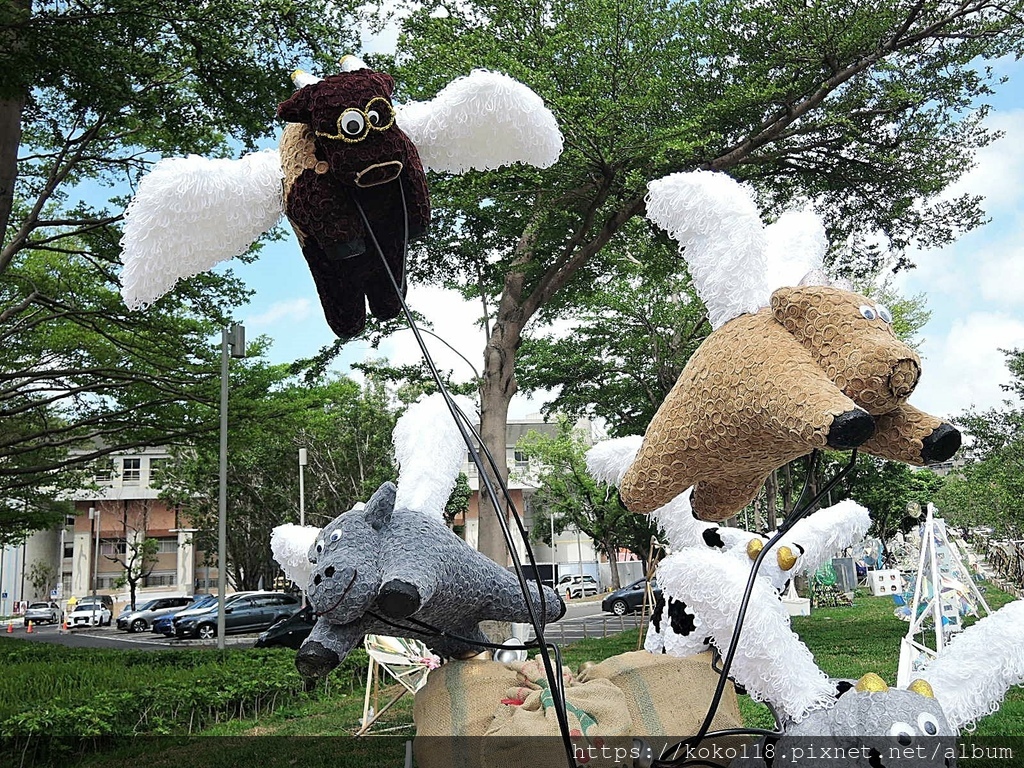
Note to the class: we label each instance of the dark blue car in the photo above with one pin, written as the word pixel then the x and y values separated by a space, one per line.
pixel 165 626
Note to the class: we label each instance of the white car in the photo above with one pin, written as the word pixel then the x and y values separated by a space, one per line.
pixel 90 615
pixel 577 586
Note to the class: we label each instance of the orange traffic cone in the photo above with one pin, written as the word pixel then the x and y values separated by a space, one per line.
pixel 29 627
pixel 64 626
pixel 10 628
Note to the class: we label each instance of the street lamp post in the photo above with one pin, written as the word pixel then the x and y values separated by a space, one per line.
pixel 302 502
pixel 232 344
pixel 554 550
pixel 94 515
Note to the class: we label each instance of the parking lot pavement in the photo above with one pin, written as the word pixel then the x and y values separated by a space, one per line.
pixel 111 637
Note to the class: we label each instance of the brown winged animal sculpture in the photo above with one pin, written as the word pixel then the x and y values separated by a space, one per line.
pixel 794 362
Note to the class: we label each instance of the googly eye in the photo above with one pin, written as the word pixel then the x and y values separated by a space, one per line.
pixel 927 723
pixel 903 733
pixel 374 116
pixel 868 312
pixel 319 546
pixel 335 535
pixel 884 313
pixel 352 123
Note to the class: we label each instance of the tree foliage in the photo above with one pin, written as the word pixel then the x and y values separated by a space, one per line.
pixel 988 491
pixel 90 94
pixel 568 495
pixel 867 108
pixel 346 431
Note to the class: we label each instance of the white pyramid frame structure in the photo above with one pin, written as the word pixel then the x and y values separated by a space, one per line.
pixel 929 576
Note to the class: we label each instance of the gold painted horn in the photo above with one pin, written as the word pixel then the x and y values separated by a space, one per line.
pixel 785 558
pixel 871 683
pixel 922 687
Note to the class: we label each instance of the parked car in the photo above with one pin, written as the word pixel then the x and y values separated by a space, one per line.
pixel 139 620
pixel 39 612
pixel 577 586
pixel 105 600
pixel 289 632
pixel 89 613
pixel 123 615
pixel 249 612
pixel 629 598
pixel 164 625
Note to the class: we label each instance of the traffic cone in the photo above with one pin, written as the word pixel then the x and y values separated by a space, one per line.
pixel 29 627
pixel 10 629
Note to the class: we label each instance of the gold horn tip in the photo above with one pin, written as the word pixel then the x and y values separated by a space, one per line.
pixel 785 558
pixel 922 687
pixel 871 683
pixel 754 547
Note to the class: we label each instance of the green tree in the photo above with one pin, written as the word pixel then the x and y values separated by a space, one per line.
pixel 90 94
pixel 988 491
pixel 346 431
pixel 137 562
pixel 862 107
pixel 43 578
pixel 569 496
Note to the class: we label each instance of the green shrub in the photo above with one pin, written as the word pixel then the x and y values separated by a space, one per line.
pixel 56 701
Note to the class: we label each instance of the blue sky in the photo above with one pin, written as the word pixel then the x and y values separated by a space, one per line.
pixel 973 288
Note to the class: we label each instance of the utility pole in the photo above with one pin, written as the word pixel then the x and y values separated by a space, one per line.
pixel 232 344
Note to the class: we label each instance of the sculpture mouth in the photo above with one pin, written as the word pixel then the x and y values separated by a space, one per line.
pixel 378 173
pixel 344 594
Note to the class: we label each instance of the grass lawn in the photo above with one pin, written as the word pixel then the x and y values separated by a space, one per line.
pixel 314 731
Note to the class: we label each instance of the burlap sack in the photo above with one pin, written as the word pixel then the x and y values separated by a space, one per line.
pixel 479 714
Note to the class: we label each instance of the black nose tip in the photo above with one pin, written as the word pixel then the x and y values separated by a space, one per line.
pixel 941 444
pixel 850 429
pixel 329 571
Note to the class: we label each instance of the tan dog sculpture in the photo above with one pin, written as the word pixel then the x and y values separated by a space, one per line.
pixel 818 368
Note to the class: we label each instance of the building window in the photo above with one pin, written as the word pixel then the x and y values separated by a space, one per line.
pixel 69 549
pixel 131 470
pixel 103 470
pixel 472 467
pixel 113 547
pixel 522 460
pixel 156 466
pixel 166 579
pixel 168 546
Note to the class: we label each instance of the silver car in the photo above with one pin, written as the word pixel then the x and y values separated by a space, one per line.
pixel 140 621
pixel 39 612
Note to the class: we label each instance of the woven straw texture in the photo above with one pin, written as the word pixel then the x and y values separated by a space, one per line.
pixel 764 389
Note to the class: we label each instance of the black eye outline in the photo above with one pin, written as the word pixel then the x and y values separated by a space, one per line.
pixel 903 733
pixel 927 724
pixel 868 312
pixel 385 112
pixel 352 123
pixel 884 313
pixel 345 119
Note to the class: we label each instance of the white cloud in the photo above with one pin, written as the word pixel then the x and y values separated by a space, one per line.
pixel 965 367
pixel 999 167
pixel 290 311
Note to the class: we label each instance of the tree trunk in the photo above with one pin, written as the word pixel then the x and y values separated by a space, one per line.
pixel 12 104
pixel 771 492
pixel 496 391
pixel 613 565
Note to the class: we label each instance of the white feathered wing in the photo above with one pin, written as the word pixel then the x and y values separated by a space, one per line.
pixel 190 214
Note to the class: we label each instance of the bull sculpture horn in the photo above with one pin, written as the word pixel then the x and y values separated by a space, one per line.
pixel 871 683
